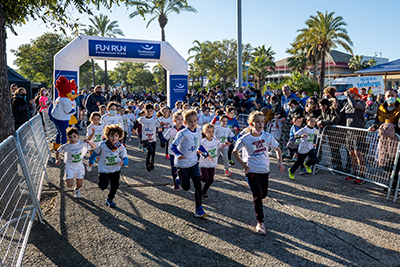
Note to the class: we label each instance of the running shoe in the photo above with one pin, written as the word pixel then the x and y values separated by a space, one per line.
pixel 89 168
pixel 152 165
pixel 205 196
pixel 200 213
pixel 303 171
pixel 291 175
pixel 140 147
pixel 349 178
pixel 144 149
pixel 260 228
pixel 78 193
pixel 148 168
pixel 110 203
pixel 359 181
pixel 167 157
pixel 231 163
pixel 178 181
pixel 176 187
pixel 228 173
pixel 308 168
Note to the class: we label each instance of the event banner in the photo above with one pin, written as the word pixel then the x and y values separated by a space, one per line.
pixel 178 88
pixel 117 49
pixel 69 74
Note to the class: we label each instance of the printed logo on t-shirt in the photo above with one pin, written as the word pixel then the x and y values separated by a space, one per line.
pixel 259 146
pixel 213 152
pixel 223 139
pixel 110 161
pixel 76 158
pixel 149 137
pixel 310 138
pixel 97 138
pixel 166 126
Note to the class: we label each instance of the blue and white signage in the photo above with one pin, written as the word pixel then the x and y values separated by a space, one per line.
pixel 178 88
pixel 69 74
pixel 117 49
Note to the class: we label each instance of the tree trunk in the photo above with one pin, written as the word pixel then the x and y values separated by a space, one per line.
pixel 202 81
pixel 6 116
pixel 94 74
pixel 322 74
pixel 105 75
pixel 314 72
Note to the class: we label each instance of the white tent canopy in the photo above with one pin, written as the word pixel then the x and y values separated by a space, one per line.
pixel 68 60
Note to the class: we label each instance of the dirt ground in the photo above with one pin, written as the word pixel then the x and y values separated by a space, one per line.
pixel 314 220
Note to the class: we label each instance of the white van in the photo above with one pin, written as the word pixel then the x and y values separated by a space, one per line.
pixel 375 82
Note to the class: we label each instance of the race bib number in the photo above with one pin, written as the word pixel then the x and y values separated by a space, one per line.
pixel 97 138
pixel 111 161
pixel 213 152
pixel 259 146
pixel 76 158
pixel 149 137
pixel 223 139
pixel 166 126
pixel 310 138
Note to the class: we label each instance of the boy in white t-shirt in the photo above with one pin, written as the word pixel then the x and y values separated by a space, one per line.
pixel 166 123
pixel 185 147
pixel 111 117
pixel 74 152
pixel 255 162
pixel 223 133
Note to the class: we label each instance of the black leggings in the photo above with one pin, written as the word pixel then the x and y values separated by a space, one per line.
pixel 151 151
pixel 258 183
pixel 112 179
pixel 166 145
pixel 230 152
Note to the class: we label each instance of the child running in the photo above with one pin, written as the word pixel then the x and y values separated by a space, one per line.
pixel 208 165
pixel 222 133
pixel 185 147
pixel 170 134
pixel 255 162
pixel 306 147
pixel 205 118
pixel 95 130
pixel 112 157
pixel 131 119
pixel 125 124
pixel 74 152
pixel 111 117
pixel 232 124
pixel 166 123
pixel 149 131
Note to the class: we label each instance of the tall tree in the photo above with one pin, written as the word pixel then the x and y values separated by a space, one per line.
pixel 357 63
pixel 140 76
pixel 201 60
pixel 120 73
pixel 260 68
pixel 322 33
pixel 103 26
pixel 159 9
pixel 54 13
pixel 158 73
pixel 90 32
pixel 298 60
pixel 262 51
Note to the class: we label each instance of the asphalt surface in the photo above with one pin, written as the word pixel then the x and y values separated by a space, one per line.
pixel 314 220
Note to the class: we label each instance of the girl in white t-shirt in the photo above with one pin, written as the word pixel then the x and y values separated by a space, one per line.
pixel 111 117
pixel 208 165
pixel 95 130
pixel 166 122
pixel 255 162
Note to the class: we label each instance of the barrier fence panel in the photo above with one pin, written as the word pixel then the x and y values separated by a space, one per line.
pixel 18 203
pixel 41 140
pixel 51 129
pixel 358 153
pixel 26 139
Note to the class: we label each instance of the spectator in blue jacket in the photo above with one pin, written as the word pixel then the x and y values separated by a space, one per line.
pixel 287 96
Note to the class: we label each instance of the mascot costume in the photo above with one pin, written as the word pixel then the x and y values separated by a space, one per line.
pixel 63 110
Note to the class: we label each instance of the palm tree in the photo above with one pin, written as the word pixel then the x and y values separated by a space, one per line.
pixel 103 26
pixel 159 9
pixel 201 50
pixel 357 63
pixel 324 32
pixel 259 68
pixel 298 61
pixel 372 62
pixel 262 51
pixel 90 32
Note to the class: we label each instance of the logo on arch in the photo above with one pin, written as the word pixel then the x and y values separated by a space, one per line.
pixel 147 47
pixel 180 86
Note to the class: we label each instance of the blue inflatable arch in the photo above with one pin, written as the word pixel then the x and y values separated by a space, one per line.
pixel 68 60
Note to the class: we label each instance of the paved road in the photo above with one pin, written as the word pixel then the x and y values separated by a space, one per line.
pixel 315 220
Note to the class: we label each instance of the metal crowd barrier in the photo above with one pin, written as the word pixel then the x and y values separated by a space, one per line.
pixel 18 203
pixel 51 129
pixel 41 140
pixel 360 154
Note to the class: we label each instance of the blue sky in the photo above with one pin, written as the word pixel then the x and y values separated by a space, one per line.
pixel 371 24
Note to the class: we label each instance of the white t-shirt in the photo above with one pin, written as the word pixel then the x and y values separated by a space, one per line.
pixel 62 108
pixel 125 122
pixel 188 143
pixel 132 118
pixel 204 119
pixel 168 122
pixel 175 110
pixel 256 148
pixel 222 134
pixel 98 133
pixel 149 128
pixel 107 119
pixel 212 148
pixel 306 144
pixel 108 161
pixel 74 153
pixel 137 111
pixel 170 135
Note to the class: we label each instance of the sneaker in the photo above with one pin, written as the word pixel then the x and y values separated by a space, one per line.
pixel 260 228
pixel 303 171
pixel 140 147
pixel 178 181
pixel 148 168
pixel 359 181
pixel 89 168
pixel 167 157
pixel 231 163
pixel 176 187
pixel 205 196
pixel 200 213
pixel 130 140
pixel 291 175
pixel 111 204
pixel 295 156
pixel 349 178
pixel 151 165
pixel 308 168
pixel 228 173
pixel 78 193
pixel 144 149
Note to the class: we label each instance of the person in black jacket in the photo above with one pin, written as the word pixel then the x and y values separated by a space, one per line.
pixel 116 97
pixel 93 102
pixel 21 108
